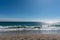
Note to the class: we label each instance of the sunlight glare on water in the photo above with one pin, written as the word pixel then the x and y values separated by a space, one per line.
pixel 50 22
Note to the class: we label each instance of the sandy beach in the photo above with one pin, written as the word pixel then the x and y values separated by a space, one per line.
pixel 31 37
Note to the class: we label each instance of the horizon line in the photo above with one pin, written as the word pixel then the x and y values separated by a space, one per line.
pixel 29 21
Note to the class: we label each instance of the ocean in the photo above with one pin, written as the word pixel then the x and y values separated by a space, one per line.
pixel 29 28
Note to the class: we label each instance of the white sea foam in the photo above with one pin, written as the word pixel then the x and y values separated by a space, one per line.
pixel 8 28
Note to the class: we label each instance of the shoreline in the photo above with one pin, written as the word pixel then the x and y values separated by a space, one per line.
pixel 31 37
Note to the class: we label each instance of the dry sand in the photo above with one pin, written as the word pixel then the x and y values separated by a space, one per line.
pixel 31 37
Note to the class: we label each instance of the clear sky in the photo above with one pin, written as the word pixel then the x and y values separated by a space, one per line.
pixel 29 9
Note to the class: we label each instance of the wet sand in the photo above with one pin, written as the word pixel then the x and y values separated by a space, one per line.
pixel 31 37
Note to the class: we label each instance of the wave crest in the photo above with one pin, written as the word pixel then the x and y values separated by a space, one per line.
pixel 20 28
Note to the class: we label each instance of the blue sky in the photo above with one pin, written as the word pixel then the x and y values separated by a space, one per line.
pixel 29 9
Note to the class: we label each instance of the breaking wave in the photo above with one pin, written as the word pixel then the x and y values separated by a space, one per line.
pixel 20 28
